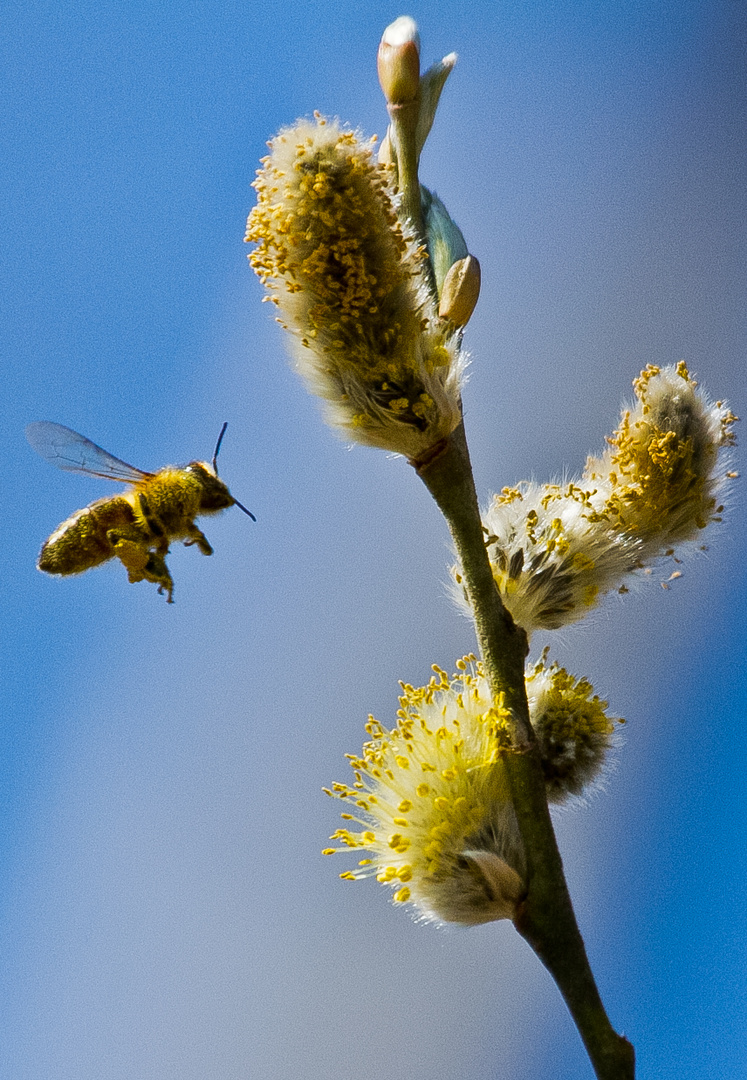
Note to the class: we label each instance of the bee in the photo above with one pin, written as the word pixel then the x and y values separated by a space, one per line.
pixel 137 526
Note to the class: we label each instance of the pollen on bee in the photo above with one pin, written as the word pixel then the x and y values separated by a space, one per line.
pixel 136 527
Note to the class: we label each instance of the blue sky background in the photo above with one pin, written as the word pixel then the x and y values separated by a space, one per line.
pixel 164 910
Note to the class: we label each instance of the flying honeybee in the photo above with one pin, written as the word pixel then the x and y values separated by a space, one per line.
pixel 137 526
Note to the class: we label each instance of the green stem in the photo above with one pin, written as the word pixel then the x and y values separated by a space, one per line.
pixel 546 919
pixel 404 120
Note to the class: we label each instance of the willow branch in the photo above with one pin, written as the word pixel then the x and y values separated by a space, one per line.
pixel 546 919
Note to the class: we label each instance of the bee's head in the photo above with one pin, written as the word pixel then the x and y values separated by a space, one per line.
pixel 214 495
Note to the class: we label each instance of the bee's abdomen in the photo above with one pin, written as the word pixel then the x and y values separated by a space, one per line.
pixel 81 542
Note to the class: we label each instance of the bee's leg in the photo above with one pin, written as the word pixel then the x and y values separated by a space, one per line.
pixel 139 561
pixel 199 538
pixel 132 551
pixel 157 571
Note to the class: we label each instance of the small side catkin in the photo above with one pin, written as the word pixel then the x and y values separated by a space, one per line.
pixel 555 550
pixel 574 732
pixel 661 478
pixel 350 285
pixel 551 558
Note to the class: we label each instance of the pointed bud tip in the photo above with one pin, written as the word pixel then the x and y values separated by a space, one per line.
pixel 386 157
pixel 402 31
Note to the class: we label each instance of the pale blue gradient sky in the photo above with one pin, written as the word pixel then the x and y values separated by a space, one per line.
pixel 165 912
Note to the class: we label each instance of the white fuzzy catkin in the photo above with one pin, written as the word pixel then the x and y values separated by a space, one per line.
pixel 433 798
pixel 349 281
pixel 555 550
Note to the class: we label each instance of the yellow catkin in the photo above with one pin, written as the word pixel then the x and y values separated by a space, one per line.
pixel 556 549
pixel 458 847
pixel 349 284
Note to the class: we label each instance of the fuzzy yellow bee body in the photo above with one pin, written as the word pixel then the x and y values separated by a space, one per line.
pixel 137 526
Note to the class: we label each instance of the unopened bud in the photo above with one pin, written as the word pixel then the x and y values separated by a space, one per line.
pixel 460 291
pixel 443 236
pixel 386 154
pixel 431 85
pixel 399 61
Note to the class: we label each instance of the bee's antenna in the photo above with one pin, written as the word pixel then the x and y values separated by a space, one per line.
pixel 217 448
pixel 215 470
pixel 247 512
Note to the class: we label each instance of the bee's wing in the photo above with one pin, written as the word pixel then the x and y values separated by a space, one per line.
pixel 65 448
